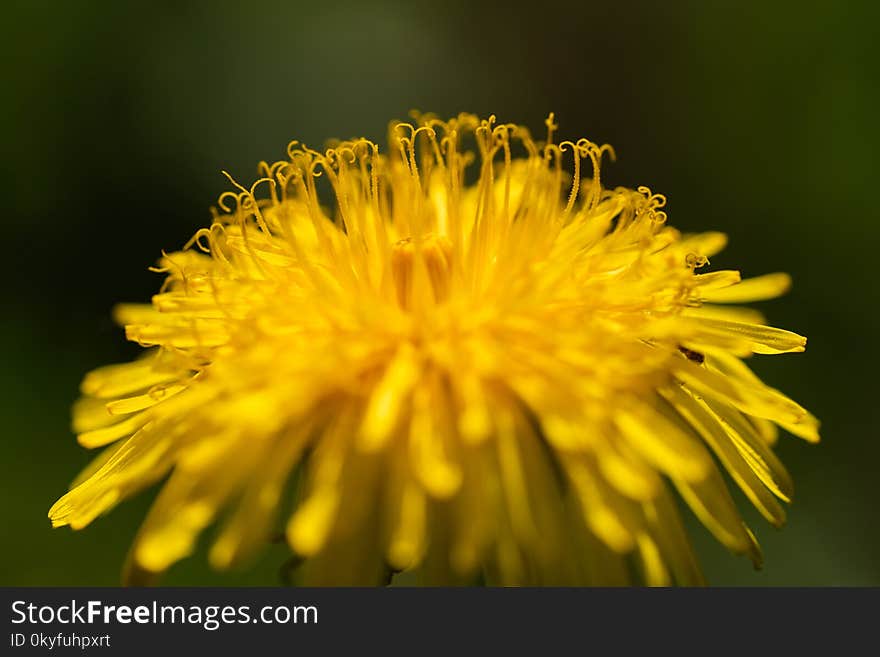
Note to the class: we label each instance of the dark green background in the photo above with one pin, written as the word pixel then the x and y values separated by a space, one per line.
pixel 755 118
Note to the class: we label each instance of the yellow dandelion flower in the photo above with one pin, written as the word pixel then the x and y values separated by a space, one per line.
pixel 501 378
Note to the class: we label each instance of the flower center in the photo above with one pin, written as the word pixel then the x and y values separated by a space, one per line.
pixel 421 268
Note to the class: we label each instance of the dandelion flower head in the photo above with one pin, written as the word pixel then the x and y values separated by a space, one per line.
pixel 464 357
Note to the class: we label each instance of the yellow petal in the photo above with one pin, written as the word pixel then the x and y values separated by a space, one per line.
pixel 606 517
pixel 408 521
pixel 707 424
pixel 712 504
pixel 759 288
pixel 117 380
pixel 140 402
pixel 107 435
pixel 755 451
pixel 310 525
pixel 664 445
pixel 627 471
pixel 388 398
pixel 707 244
pixel 246 531
pixel 655 570
pixel 762 339
pixel 665 525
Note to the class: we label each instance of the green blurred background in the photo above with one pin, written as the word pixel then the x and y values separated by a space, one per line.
pixel 755 118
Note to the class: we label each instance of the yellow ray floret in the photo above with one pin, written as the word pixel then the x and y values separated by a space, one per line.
pixel 464 357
